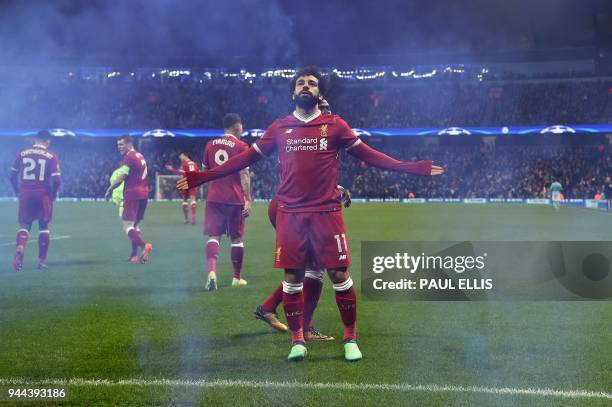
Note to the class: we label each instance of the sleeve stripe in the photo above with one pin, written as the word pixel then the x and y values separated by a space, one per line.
pixel 256 147
pixel 56 174
pixel 355 144
pixel 14 169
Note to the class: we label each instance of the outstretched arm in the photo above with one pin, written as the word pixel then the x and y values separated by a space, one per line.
pixel 377 159
pixel 174 171
pixel 234 164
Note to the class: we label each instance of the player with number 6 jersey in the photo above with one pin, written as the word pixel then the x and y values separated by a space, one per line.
pixel 133 172
pixel 35 177
pixel 228 201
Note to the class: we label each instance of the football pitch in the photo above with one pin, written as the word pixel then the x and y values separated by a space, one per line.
pixel 114 333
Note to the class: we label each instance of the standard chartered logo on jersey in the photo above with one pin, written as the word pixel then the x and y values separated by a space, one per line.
pixel 306 144
pixel 323 144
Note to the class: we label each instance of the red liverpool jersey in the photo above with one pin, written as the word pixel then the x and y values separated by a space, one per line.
pixel 137 181
pixel 308 153
pixel 227 190
pixel 188 166
pixel 35 167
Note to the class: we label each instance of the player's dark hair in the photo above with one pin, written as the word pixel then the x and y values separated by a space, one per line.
pixel 126 139
pixel 231 119
pixel 43 135
pixel 186 154
pixel 307 71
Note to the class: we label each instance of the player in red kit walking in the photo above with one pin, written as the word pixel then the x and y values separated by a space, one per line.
pixel 189 197
pixel 35 177
pixel 228 201
pixel 133 172
pixel 309 223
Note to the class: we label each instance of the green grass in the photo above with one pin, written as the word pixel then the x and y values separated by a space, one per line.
pixel 94 316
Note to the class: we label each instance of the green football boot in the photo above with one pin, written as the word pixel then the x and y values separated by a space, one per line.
pixel 298 352
pixel 351 351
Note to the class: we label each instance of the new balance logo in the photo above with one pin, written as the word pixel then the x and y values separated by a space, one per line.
pixel 342 257
pixel 288 131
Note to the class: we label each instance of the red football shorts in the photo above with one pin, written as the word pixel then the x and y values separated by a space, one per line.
pixel 35 206
pixel 314 239
pixel 134 210
pixel 221 219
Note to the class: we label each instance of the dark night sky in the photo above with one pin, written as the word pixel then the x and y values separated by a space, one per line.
pixel 273 33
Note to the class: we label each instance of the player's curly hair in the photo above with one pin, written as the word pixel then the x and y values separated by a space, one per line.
pixel 230 119
pixel 307 71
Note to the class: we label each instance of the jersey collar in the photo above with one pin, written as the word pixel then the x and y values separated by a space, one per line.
pixel 39 146
pixel 306 119
pixel 230 135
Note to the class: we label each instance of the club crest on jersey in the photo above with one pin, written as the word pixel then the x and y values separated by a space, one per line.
pixel 324 130
pixel 288 131
pixel 323 144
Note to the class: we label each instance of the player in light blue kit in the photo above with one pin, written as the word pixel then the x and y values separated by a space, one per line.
pixel 555 194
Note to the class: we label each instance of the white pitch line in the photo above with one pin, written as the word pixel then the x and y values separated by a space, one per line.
pixel 203 383
pixel 58 237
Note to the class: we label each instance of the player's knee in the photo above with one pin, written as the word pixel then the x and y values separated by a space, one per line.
pixel 338 275
pixel 314 274
pixel 43 225
pixel 237 241
pixel 26 226
pixel 127 226
pixel 293 276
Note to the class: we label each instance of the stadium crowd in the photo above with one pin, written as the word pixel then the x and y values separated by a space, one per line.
pixel 190 104
pixel 473 169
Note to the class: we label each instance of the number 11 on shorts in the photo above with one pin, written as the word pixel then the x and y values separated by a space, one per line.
pixel 337 237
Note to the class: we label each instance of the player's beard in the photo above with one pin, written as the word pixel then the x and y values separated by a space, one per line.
pixel 306 102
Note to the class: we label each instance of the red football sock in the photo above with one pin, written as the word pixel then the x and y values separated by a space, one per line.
pixel 44 240
pixel 312 292
pixel 22 238
pixel 347 305
pixel 294 310
pixel 237 254
pixel 136 237
pixel 134 249
pixel 212 253
pixel 194 211
pixel 273 301
pixel 186 211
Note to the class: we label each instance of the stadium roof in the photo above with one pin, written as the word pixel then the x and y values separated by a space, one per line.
pixel 272 33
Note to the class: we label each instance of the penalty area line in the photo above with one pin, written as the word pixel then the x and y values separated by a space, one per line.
pixel 251 384
pixel 58 237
